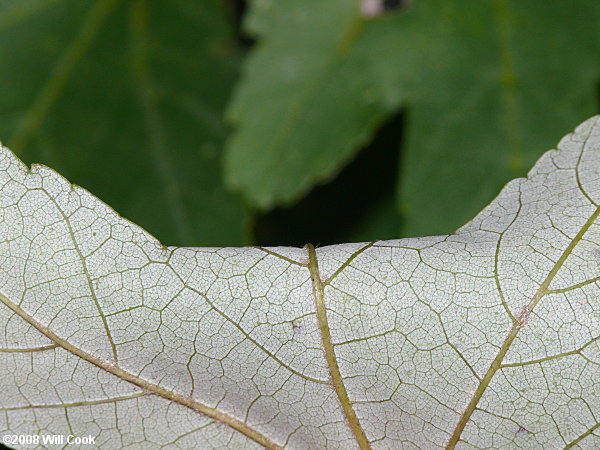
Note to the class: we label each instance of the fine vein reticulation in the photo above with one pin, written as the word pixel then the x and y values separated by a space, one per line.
pixel 486 338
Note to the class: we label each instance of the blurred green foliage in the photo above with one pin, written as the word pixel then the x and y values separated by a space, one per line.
pixel 126 99
pixel 208 134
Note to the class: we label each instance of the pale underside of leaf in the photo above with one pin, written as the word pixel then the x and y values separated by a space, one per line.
pixel 489 337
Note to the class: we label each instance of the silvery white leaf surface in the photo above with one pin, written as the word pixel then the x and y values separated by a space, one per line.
pixel 486 338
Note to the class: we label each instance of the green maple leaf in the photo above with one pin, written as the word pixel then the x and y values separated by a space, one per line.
pixel 125 97
pixel 485 84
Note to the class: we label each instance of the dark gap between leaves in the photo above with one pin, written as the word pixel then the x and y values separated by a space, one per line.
pixel 236 10
pixel 374 8
pixel 390 5
pixel 332 212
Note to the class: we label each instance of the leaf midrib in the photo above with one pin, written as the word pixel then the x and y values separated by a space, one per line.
pixel 334 369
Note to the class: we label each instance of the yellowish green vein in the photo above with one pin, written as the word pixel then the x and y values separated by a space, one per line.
pixel 28 350
pixel 88 278
pixel 77 404
pixel 277 255
pixel 550 358
pixel 251 339
pixel 153 388
pixel 348 261
pixel 332 363
pixel 521 320
pixel 583 436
